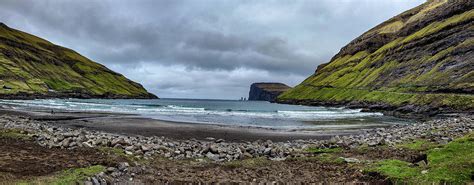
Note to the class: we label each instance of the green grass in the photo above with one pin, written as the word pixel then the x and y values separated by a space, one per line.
pixel 73 176
pixel 66 177
pixel 14 133
pixel 452 163
pixel 437 26
pixel 418 145
pixel 302 92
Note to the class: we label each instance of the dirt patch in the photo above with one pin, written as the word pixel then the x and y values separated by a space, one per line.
pixel 302 170
pixel 24 158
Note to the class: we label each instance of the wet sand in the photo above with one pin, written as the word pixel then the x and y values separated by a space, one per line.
pixel 133 125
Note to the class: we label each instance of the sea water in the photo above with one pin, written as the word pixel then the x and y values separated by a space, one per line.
pixel 223 112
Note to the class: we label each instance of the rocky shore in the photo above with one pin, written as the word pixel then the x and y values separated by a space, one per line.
pixel 218 150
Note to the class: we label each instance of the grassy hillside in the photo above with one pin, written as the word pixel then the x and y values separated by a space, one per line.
pixel 421 59
pixel 31 67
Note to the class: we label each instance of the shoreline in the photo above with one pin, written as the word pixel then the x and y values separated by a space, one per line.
pixel 134 125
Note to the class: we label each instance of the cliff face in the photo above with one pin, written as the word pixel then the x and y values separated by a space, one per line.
pixel 266 91
pixel 419 61
pixel 31 67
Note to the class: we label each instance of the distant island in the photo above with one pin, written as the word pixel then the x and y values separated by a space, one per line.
pixel 267 91
pixel 31 67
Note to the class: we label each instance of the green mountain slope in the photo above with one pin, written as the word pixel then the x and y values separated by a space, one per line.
pixel 419 61
pixel 31 67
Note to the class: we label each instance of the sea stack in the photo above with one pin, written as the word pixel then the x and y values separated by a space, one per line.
pixel 267 91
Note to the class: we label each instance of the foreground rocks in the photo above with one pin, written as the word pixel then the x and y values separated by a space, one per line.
pixel 218 150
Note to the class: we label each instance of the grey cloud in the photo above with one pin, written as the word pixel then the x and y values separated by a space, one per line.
pixel 280 38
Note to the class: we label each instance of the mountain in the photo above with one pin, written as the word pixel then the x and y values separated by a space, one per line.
pixel 31 67
pixel 266 91
pixel 420 61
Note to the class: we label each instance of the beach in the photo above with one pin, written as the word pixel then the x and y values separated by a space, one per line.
pixel 132 149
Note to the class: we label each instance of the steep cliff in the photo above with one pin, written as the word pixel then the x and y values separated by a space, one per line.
pixel 419 61
pixel 267 91
pixel 31 67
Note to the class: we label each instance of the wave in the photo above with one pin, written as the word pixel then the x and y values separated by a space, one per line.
pixel 148 105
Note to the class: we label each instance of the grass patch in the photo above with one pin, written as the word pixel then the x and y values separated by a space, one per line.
pixel 418 145
pixel 73 176
pixel 69 176
pixel 14 133
pixel 453 163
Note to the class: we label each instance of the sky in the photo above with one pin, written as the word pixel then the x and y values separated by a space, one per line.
pixel 210 49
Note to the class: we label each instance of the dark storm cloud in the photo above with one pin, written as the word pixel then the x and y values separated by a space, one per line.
pixel 198 40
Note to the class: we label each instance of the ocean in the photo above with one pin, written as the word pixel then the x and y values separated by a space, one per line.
pixel 223 112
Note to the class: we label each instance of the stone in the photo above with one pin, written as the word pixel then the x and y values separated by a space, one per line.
pixel 213 149
pixel 146 148
pixel 247 155
pixel 267 151
pixel 350 160
pixel 212 156
pixel 123 166
pixel 95 181
pixel 111 169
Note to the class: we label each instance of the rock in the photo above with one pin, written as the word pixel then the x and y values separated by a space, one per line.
pixel 87 144
pixel 111 169
pixel 247 155
pixel 350 160
pixel 278 159
pixel 219 140
pixel 213 149
pixel 95 181
pixel 372 143
pixel 421 164
pixel 123 166
pixel 129 148
pixel 266 91
pixel 212 156
pixel 424 172
pixel 146 148
pixel 267 151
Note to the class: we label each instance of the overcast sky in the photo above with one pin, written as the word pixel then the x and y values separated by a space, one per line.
pixel 203 48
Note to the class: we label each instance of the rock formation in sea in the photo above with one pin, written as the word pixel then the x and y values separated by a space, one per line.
pixel 267 91
pixel 419 61
pixel 31 67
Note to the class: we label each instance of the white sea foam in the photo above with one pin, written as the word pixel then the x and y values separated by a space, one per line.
pixel 216 112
